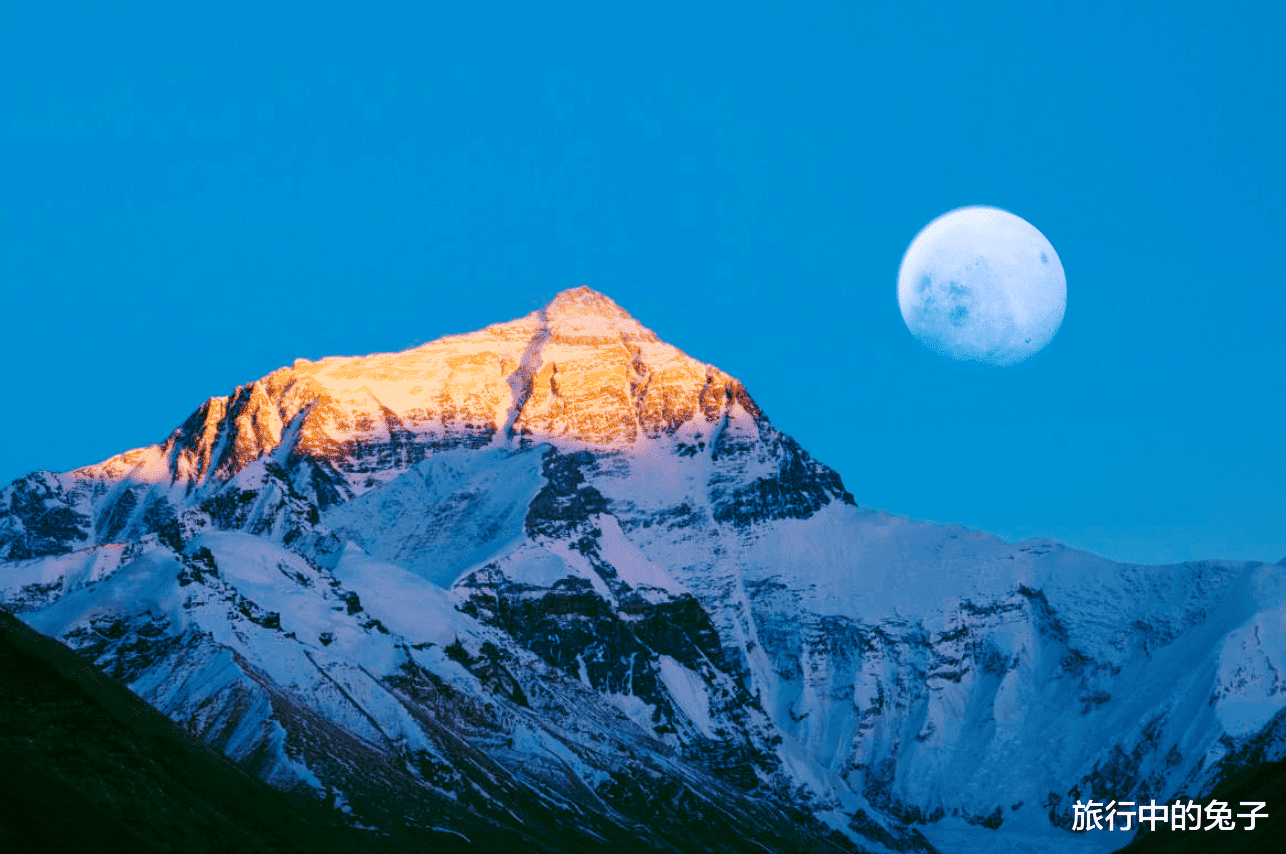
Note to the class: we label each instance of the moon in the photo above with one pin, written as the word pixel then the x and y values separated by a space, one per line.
pixel 979 284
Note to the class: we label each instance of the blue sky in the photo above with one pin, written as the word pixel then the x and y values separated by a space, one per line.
pixel 189 200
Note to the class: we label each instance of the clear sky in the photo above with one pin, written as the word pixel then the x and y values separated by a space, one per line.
pixel 191 199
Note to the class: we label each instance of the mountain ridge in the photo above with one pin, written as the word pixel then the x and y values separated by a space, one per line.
pixel 474 374
pixel 560 568
pixel 75 739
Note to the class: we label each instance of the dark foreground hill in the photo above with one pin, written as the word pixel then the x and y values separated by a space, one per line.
pixel 1264 783
pixel 88 766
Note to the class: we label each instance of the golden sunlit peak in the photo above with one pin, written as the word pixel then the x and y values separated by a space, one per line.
pixel 587 316
pixel 584 301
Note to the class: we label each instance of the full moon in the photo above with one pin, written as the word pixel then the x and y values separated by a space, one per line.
pixel 979 284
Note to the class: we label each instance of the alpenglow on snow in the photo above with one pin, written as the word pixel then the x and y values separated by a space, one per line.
pixel 556 584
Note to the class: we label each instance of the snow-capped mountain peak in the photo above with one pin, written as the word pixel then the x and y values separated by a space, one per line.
pixel 580 372
pixel 583 315
pixel 558 574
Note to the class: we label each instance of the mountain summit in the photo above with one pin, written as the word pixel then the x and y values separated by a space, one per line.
pixel 579 373
pixel 558 585
pixel 584 315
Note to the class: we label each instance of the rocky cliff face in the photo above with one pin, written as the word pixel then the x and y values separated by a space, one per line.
pixel 557 579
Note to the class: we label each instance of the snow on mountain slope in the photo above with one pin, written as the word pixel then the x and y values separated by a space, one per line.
pixel 445 514
pixel 941 672
pixel 560 580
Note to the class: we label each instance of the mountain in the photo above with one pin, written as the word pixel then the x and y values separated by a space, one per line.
pixel 89 765
pixel 556 581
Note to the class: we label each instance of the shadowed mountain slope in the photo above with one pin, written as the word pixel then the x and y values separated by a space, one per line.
pixel 88 766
